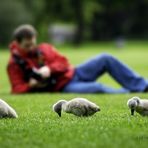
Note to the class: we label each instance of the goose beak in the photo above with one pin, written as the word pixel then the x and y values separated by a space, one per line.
pixel 59 114
pixel 98 109
pixel 132 112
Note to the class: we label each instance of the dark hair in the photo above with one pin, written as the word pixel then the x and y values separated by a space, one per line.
pixel 24 32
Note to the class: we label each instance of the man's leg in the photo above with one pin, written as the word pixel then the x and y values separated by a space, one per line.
pixel 90 87
pixel 95 67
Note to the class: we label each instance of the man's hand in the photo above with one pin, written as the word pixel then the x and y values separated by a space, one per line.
pixel 44 71
pixel 33 83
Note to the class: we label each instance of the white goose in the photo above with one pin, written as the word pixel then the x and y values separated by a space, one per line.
pixel 6 111
pixel 138 105
pixel 76 106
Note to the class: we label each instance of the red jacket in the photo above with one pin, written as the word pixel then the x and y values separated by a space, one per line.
pixel 57 63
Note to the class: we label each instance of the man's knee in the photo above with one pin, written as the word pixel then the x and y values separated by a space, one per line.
pixel 106 56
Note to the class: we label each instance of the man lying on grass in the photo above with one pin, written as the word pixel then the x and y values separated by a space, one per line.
pixel 40 68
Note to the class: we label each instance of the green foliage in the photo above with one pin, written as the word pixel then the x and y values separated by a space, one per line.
pixel 95 19
pixel 12 15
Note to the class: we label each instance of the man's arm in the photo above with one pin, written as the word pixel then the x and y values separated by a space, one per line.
pixel 56 62
pixel 17 81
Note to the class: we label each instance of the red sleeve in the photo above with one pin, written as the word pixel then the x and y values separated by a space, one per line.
pixel 18 84
pixel 56 62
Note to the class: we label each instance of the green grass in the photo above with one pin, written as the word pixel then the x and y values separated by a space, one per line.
pixel 37 126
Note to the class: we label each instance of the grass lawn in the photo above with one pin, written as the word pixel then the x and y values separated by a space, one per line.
pixel 37 125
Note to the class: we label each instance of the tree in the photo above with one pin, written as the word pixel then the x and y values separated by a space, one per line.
pixel 12 14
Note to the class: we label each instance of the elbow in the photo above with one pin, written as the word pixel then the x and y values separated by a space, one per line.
pixel 20 90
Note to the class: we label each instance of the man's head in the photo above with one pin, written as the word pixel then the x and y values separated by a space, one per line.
pixel 25 35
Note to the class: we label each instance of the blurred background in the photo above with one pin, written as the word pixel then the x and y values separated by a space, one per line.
pixel 96 25
pixel 76 21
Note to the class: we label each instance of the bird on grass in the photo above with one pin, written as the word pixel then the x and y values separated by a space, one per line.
pixel 138 105
pixel 77 106
pixel 6 111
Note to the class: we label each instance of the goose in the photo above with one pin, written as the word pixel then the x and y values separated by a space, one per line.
pixel 138 105
pixel 6 111
pixel 77 106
